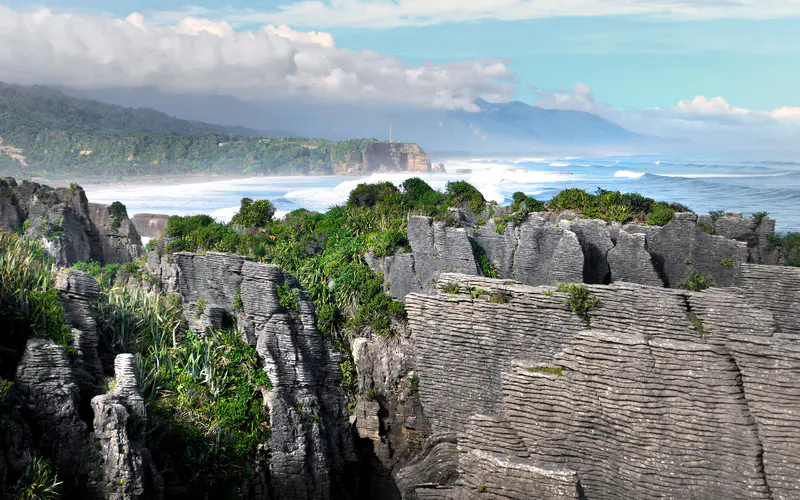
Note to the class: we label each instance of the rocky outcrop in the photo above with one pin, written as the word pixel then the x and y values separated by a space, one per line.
pixel 658 392
pixel 546 248
pixel 311 449
pixel 119 240
pixel 150 225
pixel 51 405
pixel 124 471
pixel 385 157
pixel 71 230
pixel 78 290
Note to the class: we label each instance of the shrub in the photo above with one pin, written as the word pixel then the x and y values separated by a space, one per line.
pixel 29 302
pixel 697 282
pixel 5 390
pixel 552 370
pixel 523 202
pixel 500 297
pixel 288 297
pixel 105 275
pixel 421 195
pixel 117 210
pixel 39 481
pixel 660 214
pixel 726 263
pixel 579 299
pixel 237 301
pixel 452 288
pixel 488 268
pixel 254 214
pixel 760 216
pixel 414 384
pixel 788 248
pixel 461 194
pixel 369 195
pixel 500 226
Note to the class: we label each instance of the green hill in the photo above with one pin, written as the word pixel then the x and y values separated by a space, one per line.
pixel 44 132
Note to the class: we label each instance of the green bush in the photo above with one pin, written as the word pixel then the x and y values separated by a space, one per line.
pixel 451 288
pixel 788 247
pixel 5 390
pixel 660 214
pixel 39 481
pixel 105 275
pixel 461 194
pixel 523 202
pixel 254 214
pixel 369 195
pixel 29 302
pixel 727 263
pixel 697 282
pixel 500 297
pixel 579 299
pixel 288 297
pixel 760 216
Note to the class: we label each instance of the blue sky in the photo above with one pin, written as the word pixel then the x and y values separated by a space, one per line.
pixel 676 68
pixel 627 61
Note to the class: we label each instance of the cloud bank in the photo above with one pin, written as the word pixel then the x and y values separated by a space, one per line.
pixel 202 55
pixel 393 13
pixel 709 120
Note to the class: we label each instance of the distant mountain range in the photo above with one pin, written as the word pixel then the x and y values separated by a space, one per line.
pixel 513 126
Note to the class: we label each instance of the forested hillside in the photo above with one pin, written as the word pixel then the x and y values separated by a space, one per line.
pixel 44 132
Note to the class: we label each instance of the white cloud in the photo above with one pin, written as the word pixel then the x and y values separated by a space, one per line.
pixel 200 55
pixel 700 118
pixel 390 13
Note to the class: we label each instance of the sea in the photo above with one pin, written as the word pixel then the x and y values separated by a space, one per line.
pixel 702 184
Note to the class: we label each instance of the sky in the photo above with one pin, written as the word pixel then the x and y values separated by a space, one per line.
pixel 672 68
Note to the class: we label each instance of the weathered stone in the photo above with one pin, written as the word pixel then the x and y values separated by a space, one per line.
pixel 660 392
pixel 70 230
pixel 78 290
pixel 630 261
pixel 150 225
pixel 311 443
pixel 124 470
pixel 51 398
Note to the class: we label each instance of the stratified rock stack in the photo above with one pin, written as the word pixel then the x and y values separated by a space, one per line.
pixel 311 446
pixel 70 229
pixel 78 290
pixel 547 248
pixel 656 393
pixel 124 470
pixel 51 403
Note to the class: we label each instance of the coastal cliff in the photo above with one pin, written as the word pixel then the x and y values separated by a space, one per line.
pixel 71 229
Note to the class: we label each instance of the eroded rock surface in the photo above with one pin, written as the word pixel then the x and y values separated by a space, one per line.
pixel 311 447
pixel 659 392
pixel 71 229
pixel 547 248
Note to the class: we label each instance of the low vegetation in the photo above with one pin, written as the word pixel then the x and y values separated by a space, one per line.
pixel 579 299
pixel 207 416
pixel 788 247
pixel 29 301
pixel 614 206
pixel 39 481
pixel 697 282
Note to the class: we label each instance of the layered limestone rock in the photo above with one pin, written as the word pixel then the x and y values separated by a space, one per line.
pixel 150 225
pixel 125 471
pixel 658 392
pixel 547 248
pixel 119 240
pixel 71 230
pixel 385 157
pixel 51 404
pixel 311 449
pixel 78 290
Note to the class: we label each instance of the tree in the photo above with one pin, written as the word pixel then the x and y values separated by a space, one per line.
pixel 254 214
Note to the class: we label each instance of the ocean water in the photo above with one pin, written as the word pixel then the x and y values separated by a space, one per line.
pixel 746 186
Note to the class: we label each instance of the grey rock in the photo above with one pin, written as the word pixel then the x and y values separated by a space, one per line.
pixel 69 228
pixel 78 290
pixel 51 398
pixel 662 392
pixel 124 470
pixel 311 443
pixel 630 261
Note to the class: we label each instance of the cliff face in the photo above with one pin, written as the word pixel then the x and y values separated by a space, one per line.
pixel 548 248
pixel 311 449
pixel 386 157
pixel 658 392
pixel 150 225
pixel 71 229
